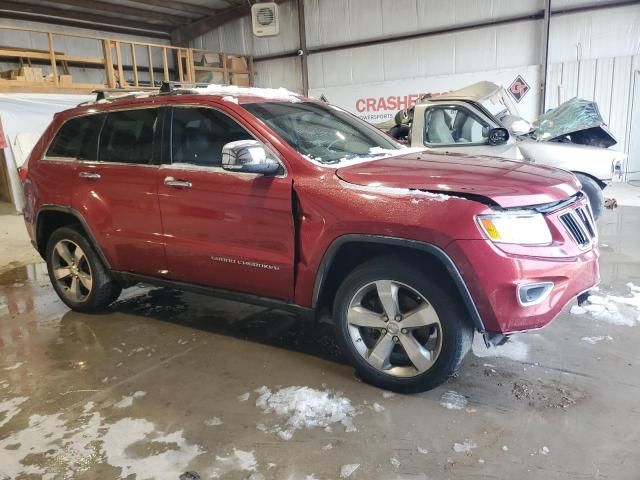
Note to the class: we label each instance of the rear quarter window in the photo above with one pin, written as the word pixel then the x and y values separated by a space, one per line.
pixel 77 138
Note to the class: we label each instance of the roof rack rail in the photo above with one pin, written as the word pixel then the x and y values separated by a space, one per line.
pixel 169 87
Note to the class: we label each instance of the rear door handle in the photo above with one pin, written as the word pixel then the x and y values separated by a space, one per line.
pixel 89 175
pixel 172 182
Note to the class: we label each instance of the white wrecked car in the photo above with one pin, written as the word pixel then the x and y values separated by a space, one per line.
pixel 482 120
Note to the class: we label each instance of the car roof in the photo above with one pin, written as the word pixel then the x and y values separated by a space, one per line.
pixel 230 93
pixel 117 99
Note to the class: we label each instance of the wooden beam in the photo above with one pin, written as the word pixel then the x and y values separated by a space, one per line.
pixel 182 35
pixel 52 52
pixel 165 65
pixel 151 76
pixel 58 16
pixel 177 6
pixel 180 72
pixel 108 63
pixel 122 81
pixel 134 65
pixel 115 10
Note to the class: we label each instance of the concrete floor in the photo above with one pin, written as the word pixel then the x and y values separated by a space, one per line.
pixel 158 386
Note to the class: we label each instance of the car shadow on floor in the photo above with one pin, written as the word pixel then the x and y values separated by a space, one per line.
pixel 247 322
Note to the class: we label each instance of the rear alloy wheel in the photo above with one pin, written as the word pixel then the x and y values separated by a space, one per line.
pixel 77 273
pixel 401 331
pixel 72 271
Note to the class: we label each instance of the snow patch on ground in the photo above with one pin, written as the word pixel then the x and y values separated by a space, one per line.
pixel 213 422
pixel 68 448
pixel 464 447
pixel 453 400
pixel 9 409
pixel 514 349
pixel 169 463
pixel 238 460
pixel 594 340
pixel 244 397
pixel 15 366
pixel 127 401
pixel 305 407
pixel 614 309
pixel 347 470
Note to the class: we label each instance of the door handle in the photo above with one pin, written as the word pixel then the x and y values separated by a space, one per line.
pixel 172 182
pixel 89 175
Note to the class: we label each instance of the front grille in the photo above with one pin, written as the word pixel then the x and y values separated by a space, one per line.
pixel 580 224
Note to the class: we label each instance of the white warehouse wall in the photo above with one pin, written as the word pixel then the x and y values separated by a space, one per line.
pixel 592 54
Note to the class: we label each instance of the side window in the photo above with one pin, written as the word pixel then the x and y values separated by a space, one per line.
pixel 127 136
pixel 452 125
pixel 77 138
pixel 198 135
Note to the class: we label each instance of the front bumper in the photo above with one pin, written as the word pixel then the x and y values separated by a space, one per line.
pixel 493 278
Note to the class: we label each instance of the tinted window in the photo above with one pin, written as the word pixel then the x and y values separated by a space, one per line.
pixel 77 138
pixel 198 135
pixel 127 137
pixel 450 125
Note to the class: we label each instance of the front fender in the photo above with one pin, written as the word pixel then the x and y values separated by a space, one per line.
pixel 593 161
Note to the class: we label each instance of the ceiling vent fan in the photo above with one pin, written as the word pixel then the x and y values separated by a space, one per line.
pixel 264 18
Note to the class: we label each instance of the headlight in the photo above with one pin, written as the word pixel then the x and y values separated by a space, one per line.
pixel 521 227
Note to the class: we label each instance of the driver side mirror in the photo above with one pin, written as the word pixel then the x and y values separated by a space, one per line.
pixel 248 156
pixel 498 136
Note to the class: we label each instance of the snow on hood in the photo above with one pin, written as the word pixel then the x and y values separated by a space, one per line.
pixel 508 183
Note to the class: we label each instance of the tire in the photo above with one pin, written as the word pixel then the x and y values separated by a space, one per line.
pixel 437 325
pixel 594 193
pixel 76 272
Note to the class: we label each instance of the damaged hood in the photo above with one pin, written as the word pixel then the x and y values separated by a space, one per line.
pixel 507 183
pixel 575 121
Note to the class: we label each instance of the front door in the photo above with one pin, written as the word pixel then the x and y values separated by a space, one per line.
pixel 223 229
pixel 461 128
pixel 116 190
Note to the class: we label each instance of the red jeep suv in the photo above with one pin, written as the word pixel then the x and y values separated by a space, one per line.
pixel 264 196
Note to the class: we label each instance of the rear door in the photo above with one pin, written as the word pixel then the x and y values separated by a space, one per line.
pixel 223 229
pixel 116 190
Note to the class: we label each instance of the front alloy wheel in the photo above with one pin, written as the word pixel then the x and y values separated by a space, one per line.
pixel 394 328
pixel 401 330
